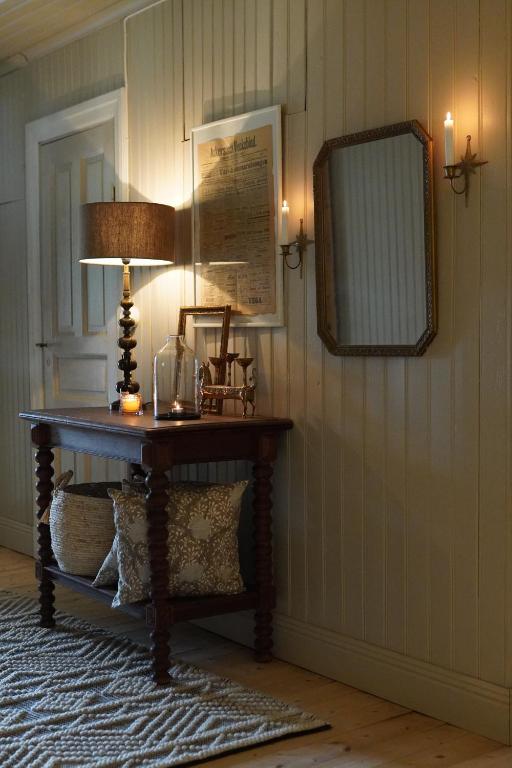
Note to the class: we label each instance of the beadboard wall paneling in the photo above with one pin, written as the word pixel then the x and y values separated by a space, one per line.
pixel 12 131
pixel 440 457
pixel 84 69
pixel 466 358
pixel 495 343
pixel 393 489
pixel 393 500
pixel 332 390
pixel 79 71
pixel 15 469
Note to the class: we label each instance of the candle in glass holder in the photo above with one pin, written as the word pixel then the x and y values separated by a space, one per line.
pixel 176 408
pixel 130 404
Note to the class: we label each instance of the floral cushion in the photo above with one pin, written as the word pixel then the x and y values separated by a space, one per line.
pixel 203 543
pixel 109 572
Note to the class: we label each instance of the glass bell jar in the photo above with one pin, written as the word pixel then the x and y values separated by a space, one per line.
pixel 176 386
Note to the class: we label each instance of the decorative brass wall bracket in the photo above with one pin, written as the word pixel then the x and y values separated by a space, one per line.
pixel 466 168
pixel 300 243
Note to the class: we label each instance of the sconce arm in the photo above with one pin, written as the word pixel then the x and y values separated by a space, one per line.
pixel 466 168
pixel 300 244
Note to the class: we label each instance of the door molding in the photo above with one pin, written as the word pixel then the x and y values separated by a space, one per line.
pixel 80 117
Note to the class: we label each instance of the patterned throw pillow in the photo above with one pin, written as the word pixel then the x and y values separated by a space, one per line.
pixel 109 572
pixel 203 544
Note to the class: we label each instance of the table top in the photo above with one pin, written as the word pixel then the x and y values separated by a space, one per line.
pixel 145 425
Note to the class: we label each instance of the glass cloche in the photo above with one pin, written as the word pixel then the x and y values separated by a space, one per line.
pixel 176 386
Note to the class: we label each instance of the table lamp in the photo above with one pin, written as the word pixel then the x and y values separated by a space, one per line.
pixel 127 234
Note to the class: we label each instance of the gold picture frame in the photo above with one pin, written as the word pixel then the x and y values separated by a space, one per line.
pixel 219 310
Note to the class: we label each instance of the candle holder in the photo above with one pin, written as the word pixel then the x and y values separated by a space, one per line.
pixel 300 243
pixel 465 168
pixel 218 363
pixel 130 404
pixel 244 363
pixel 176 389
pixel 220 392
pixel 229 358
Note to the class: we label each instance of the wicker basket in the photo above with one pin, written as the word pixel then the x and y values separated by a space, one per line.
pixel 81 525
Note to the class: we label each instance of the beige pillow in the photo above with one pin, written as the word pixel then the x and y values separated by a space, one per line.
pixel 203 543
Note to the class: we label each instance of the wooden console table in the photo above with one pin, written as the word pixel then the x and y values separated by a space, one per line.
pixel 157 446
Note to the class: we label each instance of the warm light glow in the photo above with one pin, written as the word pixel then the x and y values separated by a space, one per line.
pixel 449 148
pixel 219 263
pixel 176 407
pixel 130 404
pixel 112 262
pixel 284 222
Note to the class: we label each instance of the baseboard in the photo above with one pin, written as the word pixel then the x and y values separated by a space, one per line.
pixel 472 704
pixel 17 536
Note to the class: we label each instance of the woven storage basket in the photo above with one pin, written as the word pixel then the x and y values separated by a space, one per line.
pixel 81 525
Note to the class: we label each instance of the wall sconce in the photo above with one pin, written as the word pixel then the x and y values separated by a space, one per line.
pixel 467 165
pixel 300 243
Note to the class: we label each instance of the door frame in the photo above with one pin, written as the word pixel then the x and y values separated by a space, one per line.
pixel 80 117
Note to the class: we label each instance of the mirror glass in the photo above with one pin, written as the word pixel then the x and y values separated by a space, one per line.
pixel 374 242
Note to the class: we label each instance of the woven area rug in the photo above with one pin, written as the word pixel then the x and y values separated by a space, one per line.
pixel 76 696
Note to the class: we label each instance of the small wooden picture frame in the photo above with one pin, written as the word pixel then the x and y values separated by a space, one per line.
pixel 225 311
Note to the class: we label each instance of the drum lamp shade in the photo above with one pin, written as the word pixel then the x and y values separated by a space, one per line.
pixel 141 234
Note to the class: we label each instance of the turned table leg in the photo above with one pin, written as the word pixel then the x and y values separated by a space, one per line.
pixel 262 506
pixel 156 510
pixel 44 486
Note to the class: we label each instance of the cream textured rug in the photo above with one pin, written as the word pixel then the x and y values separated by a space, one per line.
pixel 76 696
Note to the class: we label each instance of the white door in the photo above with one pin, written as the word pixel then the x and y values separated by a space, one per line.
pixel 79 302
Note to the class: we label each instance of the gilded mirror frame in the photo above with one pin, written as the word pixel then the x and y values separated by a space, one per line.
pixel 326 298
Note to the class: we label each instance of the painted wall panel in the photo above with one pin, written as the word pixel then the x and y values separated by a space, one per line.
pixel 442 496
pixel 390 504
pixel 12 129
pixel 86 68
pixel 15 467
pixel 466 355
pixel 393 489
pixel 494 418
pixel 75 73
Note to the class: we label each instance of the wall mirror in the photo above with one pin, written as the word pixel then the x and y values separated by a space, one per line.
pixel 374 242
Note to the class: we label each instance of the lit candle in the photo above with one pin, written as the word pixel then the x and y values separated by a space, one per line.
pixel 130 404
pixel 176 407
pixel 448 140
pixel 284 222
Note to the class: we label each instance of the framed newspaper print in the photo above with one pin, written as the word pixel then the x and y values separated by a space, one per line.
pixel 236 200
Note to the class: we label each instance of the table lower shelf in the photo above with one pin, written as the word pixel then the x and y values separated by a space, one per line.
pixel 180 608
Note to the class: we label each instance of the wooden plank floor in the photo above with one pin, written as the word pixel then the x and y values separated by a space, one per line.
pixel 367 731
